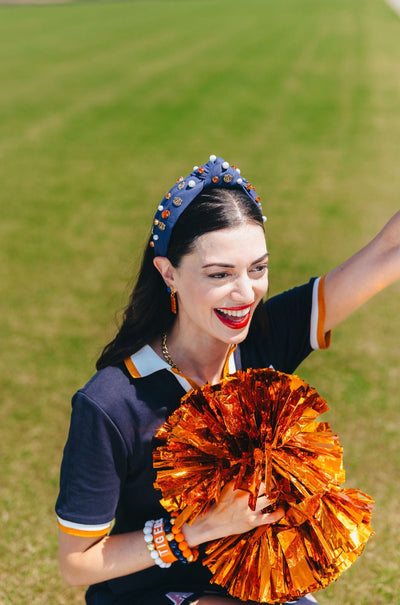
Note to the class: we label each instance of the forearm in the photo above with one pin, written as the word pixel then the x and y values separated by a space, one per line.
pixel 84 562
pixel 388 241
pixel 358 279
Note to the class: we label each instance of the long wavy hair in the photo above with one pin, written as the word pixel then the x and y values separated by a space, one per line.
pixel 148 312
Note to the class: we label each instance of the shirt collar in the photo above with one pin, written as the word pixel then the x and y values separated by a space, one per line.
pixel 146 362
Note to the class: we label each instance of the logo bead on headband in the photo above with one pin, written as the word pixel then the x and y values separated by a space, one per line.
pixel 216 173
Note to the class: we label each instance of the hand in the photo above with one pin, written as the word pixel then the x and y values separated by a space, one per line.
pixel 231 516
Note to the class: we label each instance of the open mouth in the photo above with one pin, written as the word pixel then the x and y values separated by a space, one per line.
pixel 235 317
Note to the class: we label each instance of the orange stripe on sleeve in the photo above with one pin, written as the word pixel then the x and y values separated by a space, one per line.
pixel 83 533
pixel 324 339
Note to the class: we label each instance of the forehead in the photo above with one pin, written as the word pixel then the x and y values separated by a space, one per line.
pixel 243 244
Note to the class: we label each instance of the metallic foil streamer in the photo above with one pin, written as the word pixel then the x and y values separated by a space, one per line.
pixel 253 427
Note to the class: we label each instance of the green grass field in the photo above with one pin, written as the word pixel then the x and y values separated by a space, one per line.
pixel 102 106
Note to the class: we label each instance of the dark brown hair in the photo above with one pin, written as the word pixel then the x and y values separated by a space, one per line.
pixel 148 312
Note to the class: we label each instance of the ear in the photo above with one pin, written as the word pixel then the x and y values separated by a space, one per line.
pixel 166 269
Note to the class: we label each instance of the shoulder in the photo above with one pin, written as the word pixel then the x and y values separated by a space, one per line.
pixel 114 393
pixel 112 397
pixel 106 388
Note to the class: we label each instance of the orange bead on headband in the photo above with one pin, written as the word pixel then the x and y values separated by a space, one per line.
pixel 215 173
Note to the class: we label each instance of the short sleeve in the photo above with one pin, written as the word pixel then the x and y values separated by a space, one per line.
pixel 93 468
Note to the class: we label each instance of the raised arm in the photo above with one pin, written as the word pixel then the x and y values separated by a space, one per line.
pixel 363 275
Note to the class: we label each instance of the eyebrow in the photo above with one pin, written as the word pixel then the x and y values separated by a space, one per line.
pixel 226 265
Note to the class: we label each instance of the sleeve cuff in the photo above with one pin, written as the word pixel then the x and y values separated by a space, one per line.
pixel 79 529
pixel 318 338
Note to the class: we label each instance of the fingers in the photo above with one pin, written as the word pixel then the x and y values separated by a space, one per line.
pixel 274 517
pixel 236 502
pixel 263 501
pixel 268 518
pixel 228 490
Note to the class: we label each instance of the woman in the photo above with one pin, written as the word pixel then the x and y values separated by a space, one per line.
pixel 195 315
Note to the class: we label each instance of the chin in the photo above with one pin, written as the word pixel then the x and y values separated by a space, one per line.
pixel 237 336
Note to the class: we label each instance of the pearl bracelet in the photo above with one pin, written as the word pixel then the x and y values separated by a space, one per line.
pixel 166 543
pixel 148 538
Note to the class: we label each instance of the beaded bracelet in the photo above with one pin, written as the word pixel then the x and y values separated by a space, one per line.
pixel 178 544
pixel 148 538
pixel 167 543
pixel 161 543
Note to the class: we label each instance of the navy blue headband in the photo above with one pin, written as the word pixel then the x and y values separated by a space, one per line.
pixel 216 173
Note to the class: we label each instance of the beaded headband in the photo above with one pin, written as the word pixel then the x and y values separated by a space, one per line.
pixel 215 173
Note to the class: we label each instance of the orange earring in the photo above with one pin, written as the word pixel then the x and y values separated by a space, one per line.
pixel 172 294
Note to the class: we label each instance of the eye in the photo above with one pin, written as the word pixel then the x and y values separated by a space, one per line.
pixel 259 269
pixel 220 275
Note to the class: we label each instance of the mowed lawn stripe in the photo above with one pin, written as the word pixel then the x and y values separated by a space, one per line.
pixel 102 106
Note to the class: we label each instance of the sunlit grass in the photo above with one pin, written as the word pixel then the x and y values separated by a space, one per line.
pixel 102 106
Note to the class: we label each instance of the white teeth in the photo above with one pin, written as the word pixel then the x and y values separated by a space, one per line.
pixel 239 313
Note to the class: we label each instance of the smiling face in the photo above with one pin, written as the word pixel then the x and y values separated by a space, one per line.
pixel 220 283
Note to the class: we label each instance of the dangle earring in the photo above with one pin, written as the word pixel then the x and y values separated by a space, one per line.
pixel 172 294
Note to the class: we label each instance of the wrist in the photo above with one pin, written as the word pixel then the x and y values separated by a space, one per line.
pixel 197 533
pixel 167 543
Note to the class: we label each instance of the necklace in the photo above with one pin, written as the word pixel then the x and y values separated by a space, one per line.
pixel 166 354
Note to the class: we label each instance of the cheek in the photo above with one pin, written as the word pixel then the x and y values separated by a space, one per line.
pixel 198 297
pixel 207 294
pixel 262 287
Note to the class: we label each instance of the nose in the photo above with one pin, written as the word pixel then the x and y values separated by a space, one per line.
pixel 243 290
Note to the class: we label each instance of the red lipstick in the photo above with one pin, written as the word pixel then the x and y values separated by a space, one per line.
pixel 227 315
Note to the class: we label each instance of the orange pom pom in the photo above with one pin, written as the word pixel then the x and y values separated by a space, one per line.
pixel 295 456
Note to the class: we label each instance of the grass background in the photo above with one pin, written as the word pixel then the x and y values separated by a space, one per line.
pixel 102 106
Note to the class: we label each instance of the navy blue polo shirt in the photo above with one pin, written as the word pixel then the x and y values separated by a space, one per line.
pixel 107 475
